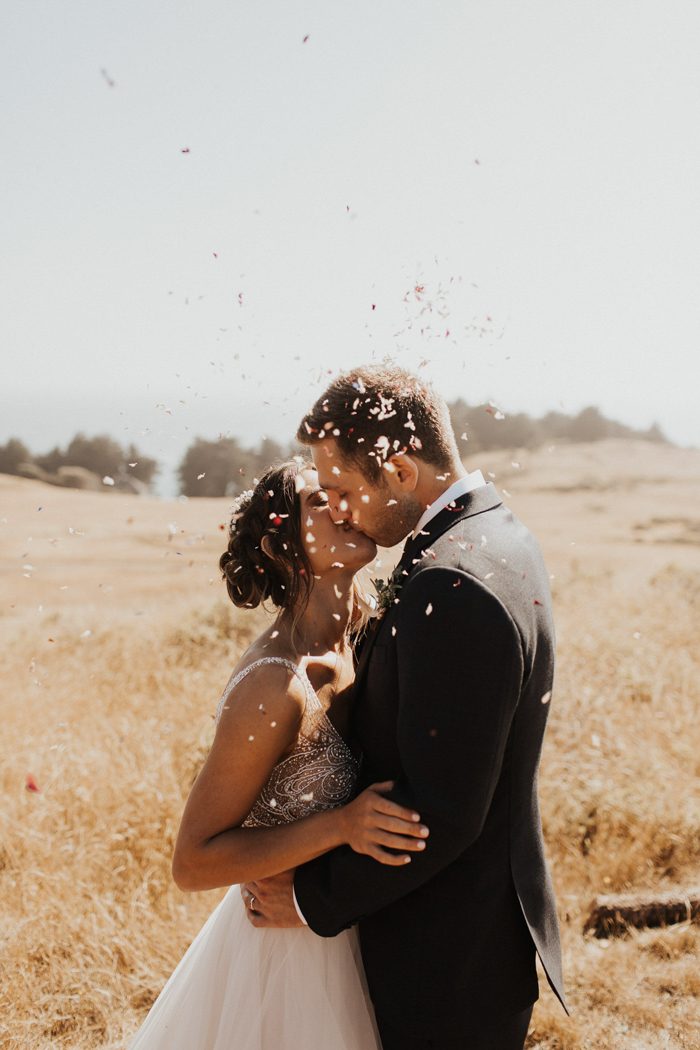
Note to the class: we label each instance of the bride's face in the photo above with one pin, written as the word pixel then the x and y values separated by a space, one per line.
pixel 330 546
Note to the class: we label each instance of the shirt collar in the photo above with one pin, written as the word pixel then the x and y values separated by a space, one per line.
pixel 460 487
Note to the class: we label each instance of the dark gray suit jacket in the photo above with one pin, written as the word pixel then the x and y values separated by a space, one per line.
pixel 452 697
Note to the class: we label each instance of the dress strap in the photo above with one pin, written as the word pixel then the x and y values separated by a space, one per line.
pixel 233 682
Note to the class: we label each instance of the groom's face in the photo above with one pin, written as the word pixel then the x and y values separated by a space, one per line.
pixel 370 507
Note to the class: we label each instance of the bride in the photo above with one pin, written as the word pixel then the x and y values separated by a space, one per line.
pixel 276 790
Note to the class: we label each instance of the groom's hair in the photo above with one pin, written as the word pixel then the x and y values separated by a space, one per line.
pixel 375 411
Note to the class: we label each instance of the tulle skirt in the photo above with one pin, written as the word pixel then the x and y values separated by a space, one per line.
pixel 241 988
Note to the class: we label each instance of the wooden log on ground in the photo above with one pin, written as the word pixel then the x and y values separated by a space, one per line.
pixel 612 916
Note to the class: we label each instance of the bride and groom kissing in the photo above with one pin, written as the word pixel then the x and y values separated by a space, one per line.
pixel 370 796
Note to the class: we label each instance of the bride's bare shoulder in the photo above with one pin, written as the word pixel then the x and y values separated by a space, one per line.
pixel 263 688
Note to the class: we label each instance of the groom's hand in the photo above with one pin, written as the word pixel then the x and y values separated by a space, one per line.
pixel 269 902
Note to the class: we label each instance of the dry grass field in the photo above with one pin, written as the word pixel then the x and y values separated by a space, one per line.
pixel 117 641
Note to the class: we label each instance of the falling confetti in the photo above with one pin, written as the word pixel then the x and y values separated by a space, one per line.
pixel 429 609
pixel 494 411
pixel 546 697
pixel 31 784
pixel 106 480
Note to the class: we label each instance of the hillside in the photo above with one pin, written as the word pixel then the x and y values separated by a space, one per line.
pixel 118 640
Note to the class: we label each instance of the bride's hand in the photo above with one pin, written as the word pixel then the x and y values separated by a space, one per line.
pixel 372 824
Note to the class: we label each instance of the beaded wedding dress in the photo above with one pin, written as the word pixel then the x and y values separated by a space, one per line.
pixel 241 988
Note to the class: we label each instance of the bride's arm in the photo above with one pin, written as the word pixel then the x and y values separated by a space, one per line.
pixel 254 732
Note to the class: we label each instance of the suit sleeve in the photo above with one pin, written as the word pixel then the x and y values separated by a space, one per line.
pixel 460 672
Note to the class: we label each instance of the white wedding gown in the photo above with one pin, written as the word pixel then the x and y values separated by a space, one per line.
pixel 241 988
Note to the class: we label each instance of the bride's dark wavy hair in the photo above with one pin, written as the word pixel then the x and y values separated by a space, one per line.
pixel 265 559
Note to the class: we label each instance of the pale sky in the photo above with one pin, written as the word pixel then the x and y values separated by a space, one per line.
pixel 533 167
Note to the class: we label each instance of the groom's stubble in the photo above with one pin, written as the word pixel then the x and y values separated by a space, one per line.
pixel 391 521
pixel 369 504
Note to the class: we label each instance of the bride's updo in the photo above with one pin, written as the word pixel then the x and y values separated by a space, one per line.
pixel 265 558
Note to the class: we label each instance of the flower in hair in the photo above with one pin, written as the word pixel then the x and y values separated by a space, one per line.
pixel 240 504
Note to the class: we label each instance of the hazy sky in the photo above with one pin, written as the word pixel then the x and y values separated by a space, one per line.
pixel 534 168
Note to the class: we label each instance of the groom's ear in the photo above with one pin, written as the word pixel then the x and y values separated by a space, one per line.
pixel 402 472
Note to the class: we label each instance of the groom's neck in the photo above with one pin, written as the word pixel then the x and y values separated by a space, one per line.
pixel 432 482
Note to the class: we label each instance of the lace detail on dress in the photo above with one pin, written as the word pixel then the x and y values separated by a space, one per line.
pixel 320 771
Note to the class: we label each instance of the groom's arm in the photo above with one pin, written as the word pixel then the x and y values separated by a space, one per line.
pixel 460 670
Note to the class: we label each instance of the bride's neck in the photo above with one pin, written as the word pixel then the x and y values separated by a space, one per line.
pixel 324 623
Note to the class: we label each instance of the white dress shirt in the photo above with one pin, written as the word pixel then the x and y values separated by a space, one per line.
pixel 460 487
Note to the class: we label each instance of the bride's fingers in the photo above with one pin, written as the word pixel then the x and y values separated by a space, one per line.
pixel 399 826
pixel 399 841
pixel 393 809
pixel 394 860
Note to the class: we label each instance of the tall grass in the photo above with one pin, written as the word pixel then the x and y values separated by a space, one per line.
pixel 114 726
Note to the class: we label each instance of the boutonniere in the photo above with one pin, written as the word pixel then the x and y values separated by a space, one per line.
pixel 387 591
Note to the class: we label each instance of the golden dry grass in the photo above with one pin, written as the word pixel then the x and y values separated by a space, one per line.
pixel 114 723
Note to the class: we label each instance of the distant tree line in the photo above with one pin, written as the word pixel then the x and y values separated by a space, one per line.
pixel 487 428
pixel 225 467
pixel 83 463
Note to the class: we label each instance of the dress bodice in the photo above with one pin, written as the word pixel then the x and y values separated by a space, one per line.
pixel 318 773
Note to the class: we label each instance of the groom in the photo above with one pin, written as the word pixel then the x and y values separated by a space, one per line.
pixel 451 699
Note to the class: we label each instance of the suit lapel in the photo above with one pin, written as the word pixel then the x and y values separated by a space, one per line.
pixel 475 502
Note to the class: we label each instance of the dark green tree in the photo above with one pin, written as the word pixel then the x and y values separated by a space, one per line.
pixel 51 461
pixel 212 468
pixel 225 467
pixel 12 453
pixel 101 454
pixel 145 469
